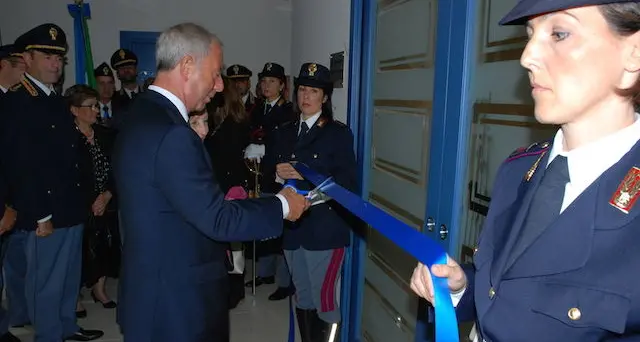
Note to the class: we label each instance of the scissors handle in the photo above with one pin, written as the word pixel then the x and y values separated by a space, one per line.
pixel 291 183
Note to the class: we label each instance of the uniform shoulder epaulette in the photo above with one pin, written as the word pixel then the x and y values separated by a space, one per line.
pixel 532 150
pixel 340 123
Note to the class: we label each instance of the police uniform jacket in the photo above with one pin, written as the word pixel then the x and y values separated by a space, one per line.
pixel 576 281
pixel 44 166
pixel 280 114
pixel 326 148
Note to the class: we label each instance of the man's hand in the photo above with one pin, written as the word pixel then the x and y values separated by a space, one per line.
pixel 8 220
pixel 422 284
pixel 286 171
pixel 297 203
pixel 44 229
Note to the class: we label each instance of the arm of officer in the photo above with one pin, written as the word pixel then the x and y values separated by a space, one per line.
pixel 186 180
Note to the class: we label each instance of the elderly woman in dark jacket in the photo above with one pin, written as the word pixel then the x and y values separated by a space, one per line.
pixel 101 250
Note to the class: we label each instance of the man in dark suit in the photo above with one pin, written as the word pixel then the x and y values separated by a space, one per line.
pixel 174 279
pixel 44 174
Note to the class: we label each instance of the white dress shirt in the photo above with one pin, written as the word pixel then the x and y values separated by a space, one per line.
pixel 185 115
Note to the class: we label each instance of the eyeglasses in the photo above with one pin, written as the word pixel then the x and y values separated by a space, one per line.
pixel 94 106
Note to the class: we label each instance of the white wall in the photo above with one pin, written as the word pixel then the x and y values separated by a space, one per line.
pixel 320 28
pixel 253 31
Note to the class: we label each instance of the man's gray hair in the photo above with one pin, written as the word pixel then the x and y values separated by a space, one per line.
pixel 187 39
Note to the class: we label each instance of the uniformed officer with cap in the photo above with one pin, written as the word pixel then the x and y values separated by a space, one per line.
pixel 314 246
pixel 241 77
pixel 106 87
pixel 558 256
pixel 125 63
pixel 47 178
pixel 11 67
pixel 11 70
pixel 266 118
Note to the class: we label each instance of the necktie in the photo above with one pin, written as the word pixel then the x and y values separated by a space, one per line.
pixel 105 111
pixel 546 203
pixel 303 129
pixel 133 95
pixel 267 109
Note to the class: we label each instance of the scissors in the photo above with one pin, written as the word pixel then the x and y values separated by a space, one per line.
pixel 314 196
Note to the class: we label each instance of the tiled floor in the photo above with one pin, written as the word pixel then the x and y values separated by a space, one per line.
pixel 255 319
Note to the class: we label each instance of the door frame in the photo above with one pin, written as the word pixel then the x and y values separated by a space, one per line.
pixel 453 96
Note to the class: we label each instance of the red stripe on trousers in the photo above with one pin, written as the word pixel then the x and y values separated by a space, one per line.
pixel 328 291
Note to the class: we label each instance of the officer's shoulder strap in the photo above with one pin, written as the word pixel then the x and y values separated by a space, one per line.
pixel 532 150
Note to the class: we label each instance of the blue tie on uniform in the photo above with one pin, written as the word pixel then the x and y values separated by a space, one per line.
pixel 304 128
pixel 545 205
pixel 105 111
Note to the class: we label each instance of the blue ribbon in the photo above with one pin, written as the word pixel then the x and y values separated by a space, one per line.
pixel 78 12
pixel 421 247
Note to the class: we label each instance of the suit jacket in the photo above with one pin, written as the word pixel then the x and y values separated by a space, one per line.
pixel 44 165
pixel 577 279
pixel 327 148
pixel 172 212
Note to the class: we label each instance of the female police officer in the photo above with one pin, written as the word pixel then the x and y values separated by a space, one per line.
pixel 559 252
pixel 314 246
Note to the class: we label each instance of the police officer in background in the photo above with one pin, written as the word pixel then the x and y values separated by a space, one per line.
pixel 125 63
pixel 11 67
pixel 106 86
pixel 46 177
pixel 266 118
pixel 559 255
pixel 241 77
pixel 314 246
pixel 11 71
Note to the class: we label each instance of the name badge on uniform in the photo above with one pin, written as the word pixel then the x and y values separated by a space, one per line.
pixel 627 193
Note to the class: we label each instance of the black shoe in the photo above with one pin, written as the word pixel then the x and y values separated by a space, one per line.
pixel 9 337
pixel 306 319
pixel 81 313
pixel 108 305
pixel 260 281
pixel 85 335
pixel 282 293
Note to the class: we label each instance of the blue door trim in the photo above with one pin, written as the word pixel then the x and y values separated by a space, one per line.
pixel 129 36
pixel 452 117
pixel 362 38
pixel 449 147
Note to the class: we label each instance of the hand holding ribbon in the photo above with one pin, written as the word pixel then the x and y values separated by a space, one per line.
pixel 424 249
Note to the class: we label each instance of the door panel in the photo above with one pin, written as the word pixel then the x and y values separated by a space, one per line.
pixel 143 44
pixel 502 112
pixel 402 92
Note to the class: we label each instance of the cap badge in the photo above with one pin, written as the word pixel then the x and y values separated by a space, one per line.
pixel 122 54
pixel 269 66
pixel 312 69
pixel 53 33
pixel 105 70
